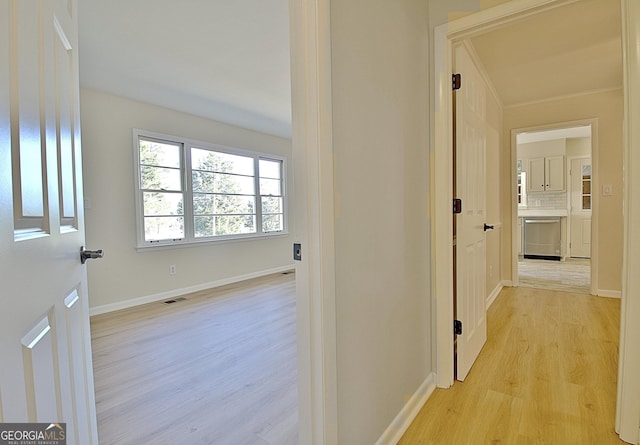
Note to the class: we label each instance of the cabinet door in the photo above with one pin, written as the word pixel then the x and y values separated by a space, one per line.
pixel 554 173
pixel 536 175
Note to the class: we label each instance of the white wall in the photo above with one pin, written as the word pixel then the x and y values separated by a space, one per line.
pixel 126 274
pixel 380 120
pixel 555 147
pixel 578 147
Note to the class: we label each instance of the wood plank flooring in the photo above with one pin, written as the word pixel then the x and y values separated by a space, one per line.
pixel 547 375
pixel 572 275
pixel 216 368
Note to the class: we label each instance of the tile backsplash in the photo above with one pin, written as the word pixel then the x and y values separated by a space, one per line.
pixel 547 200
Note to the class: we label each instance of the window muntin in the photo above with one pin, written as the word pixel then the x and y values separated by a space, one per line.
pixel 193 192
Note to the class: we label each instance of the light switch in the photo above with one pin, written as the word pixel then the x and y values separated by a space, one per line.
pixel 607 190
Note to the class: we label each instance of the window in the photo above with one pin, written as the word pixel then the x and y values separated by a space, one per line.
pixel 521 181
pixel 586 187
pixel 190 191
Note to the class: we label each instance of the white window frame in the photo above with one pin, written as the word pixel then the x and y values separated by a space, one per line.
pixel 187 191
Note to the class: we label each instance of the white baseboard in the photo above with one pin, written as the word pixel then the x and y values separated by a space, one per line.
pixel 408 413
pixel 103 309
pixel 494 293
pixel 609 293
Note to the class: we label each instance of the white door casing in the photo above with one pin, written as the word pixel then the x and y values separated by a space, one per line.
pixel 313 164
pixel 46 369
pixel 470 181
pixel 580 217
pixel 628 403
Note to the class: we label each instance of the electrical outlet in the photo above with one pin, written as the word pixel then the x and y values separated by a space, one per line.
pixel 172 269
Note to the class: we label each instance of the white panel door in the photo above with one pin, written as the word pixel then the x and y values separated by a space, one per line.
pixel 470 186
pixel 581 202
pixel 45 367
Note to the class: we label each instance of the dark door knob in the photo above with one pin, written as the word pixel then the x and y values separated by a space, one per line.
pixel 89 254
pixel 487 227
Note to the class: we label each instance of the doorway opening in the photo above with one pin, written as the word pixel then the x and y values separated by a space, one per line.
pixel 554 196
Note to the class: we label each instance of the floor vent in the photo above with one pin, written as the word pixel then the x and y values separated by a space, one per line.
pixel 175 300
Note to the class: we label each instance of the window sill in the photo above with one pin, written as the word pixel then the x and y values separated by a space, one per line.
pixel 207 242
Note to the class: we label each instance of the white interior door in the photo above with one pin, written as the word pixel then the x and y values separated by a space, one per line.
pixel 581 202
pixel 45 371
pixel 470 186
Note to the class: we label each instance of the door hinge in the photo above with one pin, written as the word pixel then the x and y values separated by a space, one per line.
pixel 457 205
pixel 457 327
pixel 456 81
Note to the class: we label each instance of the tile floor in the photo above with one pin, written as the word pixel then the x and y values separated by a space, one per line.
pixel 572 275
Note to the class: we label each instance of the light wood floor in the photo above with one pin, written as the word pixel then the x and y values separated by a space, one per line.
pixel 547 375
pixel 572 275
pixel 216 368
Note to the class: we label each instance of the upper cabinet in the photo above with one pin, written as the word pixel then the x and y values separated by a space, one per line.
pixel 554 174
pixel 536 175
pixel 546 174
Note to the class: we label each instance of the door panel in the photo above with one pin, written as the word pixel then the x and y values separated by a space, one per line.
pixel 42 382
pixel 536 175
pixel 554 174
pixel 46 370
pixel 471 188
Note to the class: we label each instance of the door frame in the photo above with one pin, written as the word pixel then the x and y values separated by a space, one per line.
pixel 312 153
pixel 595 200
pixel 628 400
pixel 628 404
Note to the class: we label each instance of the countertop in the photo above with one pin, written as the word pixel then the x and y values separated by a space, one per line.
pixel 523 213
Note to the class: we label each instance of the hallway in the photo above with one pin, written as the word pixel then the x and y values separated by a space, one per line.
pixel 547 374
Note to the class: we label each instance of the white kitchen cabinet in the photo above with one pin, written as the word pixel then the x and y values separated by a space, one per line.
pixel 536 175
pixel 554 173
pixel 546 174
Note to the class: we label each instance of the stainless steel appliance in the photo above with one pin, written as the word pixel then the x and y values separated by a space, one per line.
pixel 542 238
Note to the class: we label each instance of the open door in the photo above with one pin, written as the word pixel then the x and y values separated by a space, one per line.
pixel 46 369
pixel 470 187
